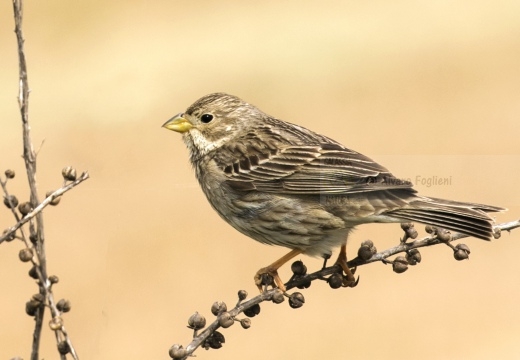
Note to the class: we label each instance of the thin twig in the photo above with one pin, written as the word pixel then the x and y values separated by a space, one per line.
pixel 47 201
pixel 426 241
pixel 35 217
pixel 13 210
pixel 45 284
pixel 30 162
pixel 267 295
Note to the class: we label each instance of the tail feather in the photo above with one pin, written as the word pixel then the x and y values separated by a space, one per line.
pixel 467 218
pixel 485 208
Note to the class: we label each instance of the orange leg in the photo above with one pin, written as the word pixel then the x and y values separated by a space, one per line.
pixel 350 280
pixel 273 270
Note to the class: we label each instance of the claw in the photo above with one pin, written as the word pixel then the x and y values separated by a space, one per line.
pixel 350 283
pixel 260 277
pixel 273 271
pixel 353 270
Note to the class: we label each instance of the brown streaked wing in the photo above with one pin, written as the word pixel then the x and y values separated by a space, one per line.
pixel 317 169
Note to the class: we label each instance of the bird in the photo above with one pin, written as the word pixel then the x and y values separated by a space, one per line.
pixel 282 184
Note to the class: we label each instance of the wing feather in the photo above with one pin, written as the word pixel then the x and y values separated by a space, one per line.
pixel 326 168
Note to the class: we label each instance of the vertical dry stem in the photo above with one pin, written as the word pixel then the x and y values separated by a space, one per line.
pixel 36 225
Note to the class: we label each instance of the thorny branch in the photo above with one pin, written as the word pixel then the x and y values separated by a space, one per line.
pixel 210 337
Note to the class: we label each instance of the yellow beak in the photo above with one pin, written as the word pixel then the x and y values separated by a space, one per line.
pixel 178 123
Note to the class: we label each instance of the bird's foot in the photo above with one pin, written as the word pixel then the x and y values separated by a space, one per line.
pixel 349 279
pixel 268 276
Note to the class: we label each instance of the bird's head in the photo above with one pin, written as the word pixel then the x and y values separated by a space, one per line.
pixel 212 121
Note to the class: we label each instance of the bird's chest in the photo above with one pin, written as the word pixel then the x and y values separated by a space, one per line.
pixel 213 183
pixel 235 207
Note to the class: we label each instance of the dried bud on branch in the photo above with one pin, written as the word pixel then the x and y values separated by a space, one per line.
pixel 252 311
pixel 296 300
pixel 11 236
pixel 215 340
pixel 218 307
pixel 400 265
pixel 25 208
pixel 413 257
pixel 196 321
pixel 246 323
pixel 242 295
pixel 278 296
pixel 63 305
pixel 9 173
pixel 461 252
pixel 177 352
pixel 335 280
pixel 31 307
pixel 33 272
pixel 54 201
pixel 10 201
pixel 367 250
pixel 69 173
pixel 26 254
pixel 298 268
pixel 225 320
pixel 443 235
pixel 63 347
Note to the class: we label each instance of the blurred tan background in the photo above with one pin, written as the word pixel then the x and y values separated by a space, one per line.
pixel 426 88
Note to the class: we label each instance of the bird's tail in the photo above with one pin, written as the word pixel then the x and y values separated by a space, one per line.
pixel 466 218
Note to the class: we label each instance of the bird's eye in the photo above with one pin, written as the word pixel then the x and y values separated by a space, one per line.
pixel 206 118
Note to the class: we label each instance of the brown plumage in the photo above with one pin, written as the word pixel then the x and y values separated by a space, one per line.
pixel 282 184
